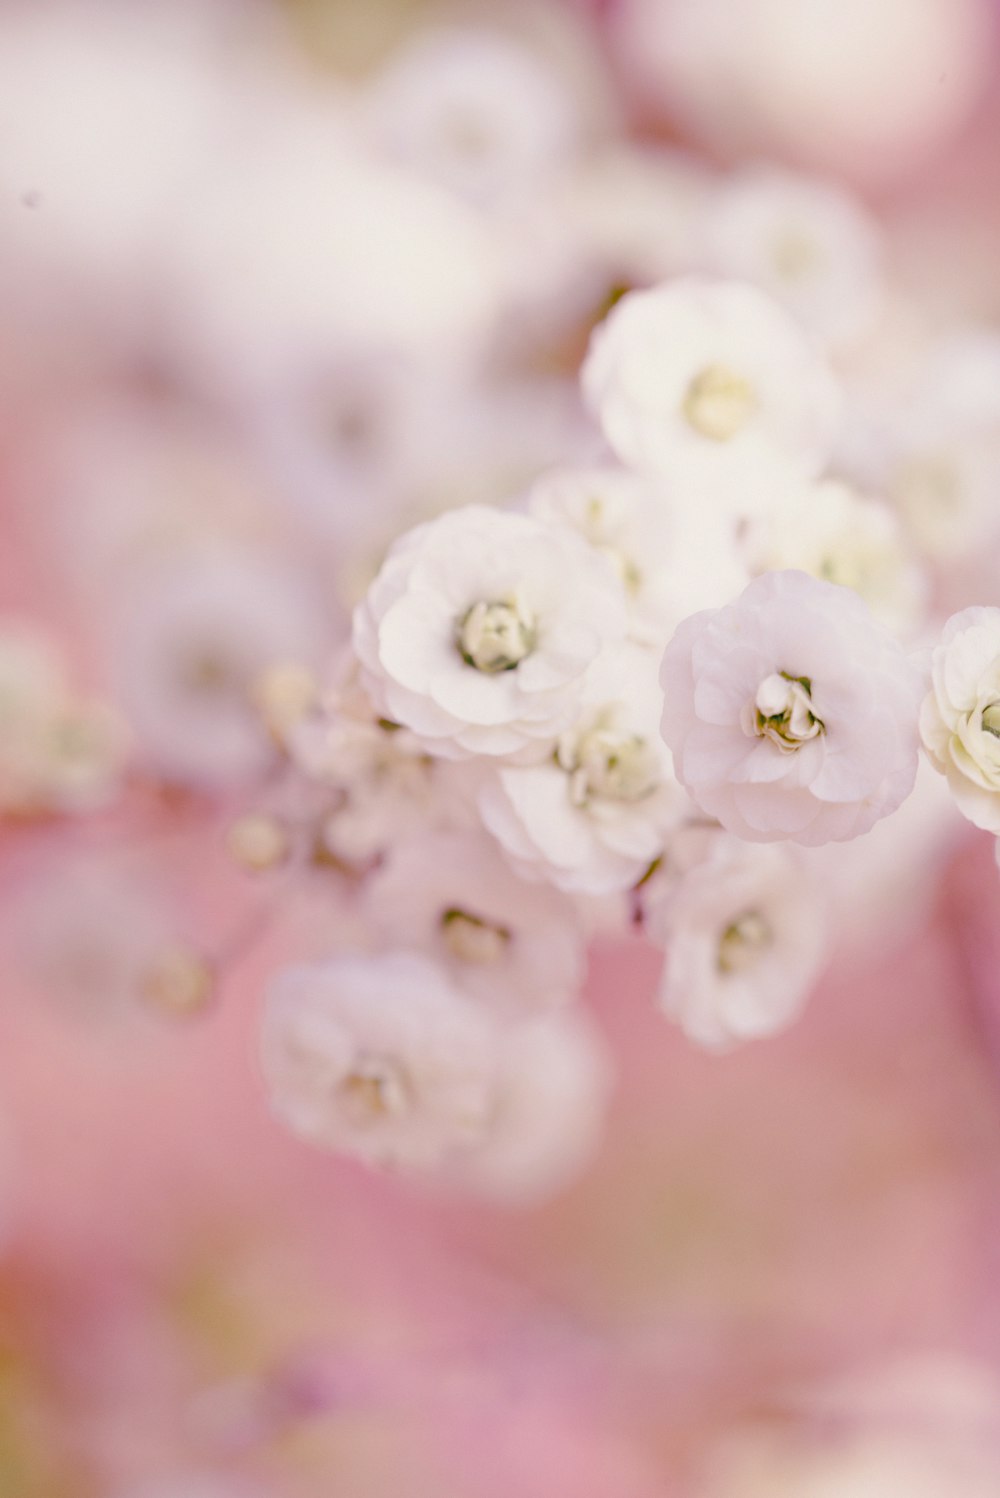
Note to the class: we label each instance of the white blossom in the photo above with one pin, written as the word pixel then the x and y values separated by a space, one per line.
pixel 453 896
pixel 960 716
pixel 480 628
pixel 744 935
pixel 594 816
pixel 711 382
pixel 792 712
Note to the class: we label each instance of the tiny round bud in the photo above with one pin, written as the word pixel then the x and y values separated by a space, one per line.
pixel 179 982
pixel 284 695
pixel 258 841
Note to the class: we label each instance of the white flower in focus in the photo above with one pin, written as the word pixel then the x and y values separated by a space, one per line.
pixel 806 243
pixel 832 532
pixel 476 111
pixel 453 896
pixel 479 630
pixel 960 716
pixel 58 752
pixel 744 933
pixel 382 1058
pixel 190 648
pixel 553 1088
pixel 595 815
pixel 710 382
pixel 791 713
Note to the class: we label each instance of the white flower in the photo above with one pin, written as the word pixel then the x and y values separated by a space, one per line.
pixel 381 1058
pixel 595 815
pixel 666 570
pixel 553 1089
pixel 58 752
pixel 474 110
pixel 960 716
pixel 710 382
pixel 744 933
pixel 806 243
pixel 831 531
pixel 479 630
pixel 191 644
pixel 792 712
pixel 455 897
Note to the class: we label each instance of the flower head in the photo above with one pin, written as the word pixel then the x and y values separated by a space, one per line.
pixel 710 382
pixel 792 712
pixel 960 716
pixel 479 630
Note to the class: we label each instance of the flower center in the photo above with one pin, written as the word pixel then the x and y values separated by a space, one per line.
pixel 742 943
pixel 471 939
pixel 795 254
pixel 605 763
pixel 373 1090
pixel 991 719
pixel 495 637
pixel 784 711
pixel 718 403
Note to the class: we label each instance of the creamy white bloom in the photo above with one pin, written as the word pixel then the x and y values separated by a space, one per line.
pixel 711 382
pixel 189 647
pixel 830 530
pixel 554 1085
pixel 475 110
pixel 792 712
pixel 58 752
pixel 382 1058
pixel 960 716
pixel 805 242
pixel 744 934
pixel 454 896
pixel 480 628
pixel 594 816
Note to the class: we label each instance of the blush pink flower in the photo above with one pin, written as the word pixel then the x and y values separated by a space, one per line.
pixel 792 712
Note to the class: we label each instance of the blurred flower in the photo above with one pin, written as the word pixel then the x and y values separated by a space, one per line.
pixel 960 717
pixel 453 896
pixel 744 933
pixel 792 712
pixel 710 382
pixel 480 627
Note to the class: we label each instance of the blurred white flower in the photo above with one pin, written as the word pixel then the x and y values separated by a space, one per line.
pixel 553 1089
pixel 711 383
pixel 453 896
pixel 189 646
pixel 595 815
pixel 744 933
pixel 58 752
pixel 960 716
pixel 830 530
pixel 474 110
pixel 479 630
pixel 808 244
pixel 792 712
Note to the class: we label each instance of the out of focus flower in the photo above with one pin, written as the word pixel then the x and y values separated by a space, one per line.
pixel 479 630
pixel 58 752
pixel 710 382
pixel 382 1058
pixel 792 712
pixel 191 1485
pixel 190 648
pixel 807 244
pixel 476 111
pixel 744 933
pixel 453 896
pixel 830 530
pixel 960 717
pixel 595 815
